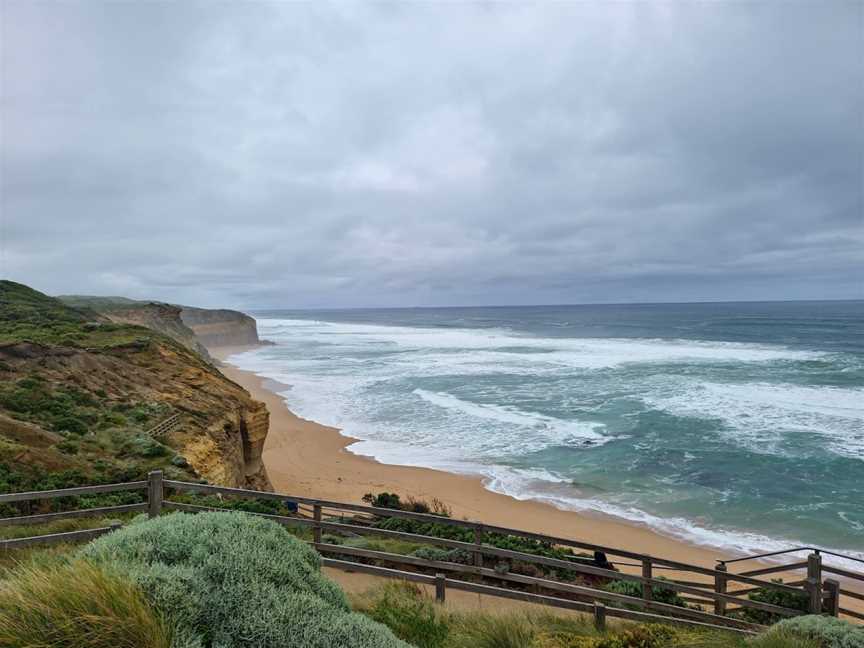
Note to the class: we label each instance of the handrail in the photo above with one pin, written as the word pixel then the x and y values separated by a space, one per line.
pixel 517 555
pixel 817 550
pixel 435 519
pixel 501 592
pixel 723 599
pixel 70 492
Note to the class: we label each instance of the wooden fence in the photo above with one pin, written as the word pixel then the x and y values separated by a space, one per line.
pixel 707 587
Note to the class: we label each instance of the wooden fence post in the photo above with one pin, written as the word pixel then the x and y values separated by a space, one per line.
pixel 478 540
pixel 316 530
pixel 814 582
pixel 833 601
pixel 599 616
pixel 720 588
pixel 647 571
pixel 154 493
pixel 440 587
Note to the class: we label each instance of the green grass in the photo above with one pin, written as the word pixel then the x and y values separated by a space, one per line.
pixel 77 605
pixel 416 618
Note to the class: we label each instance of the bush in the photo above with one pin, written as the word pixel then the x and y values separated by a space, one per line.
pixel 393 501
pixel 233 580
pixel 792 600
pixel 77 605
pixel 658 594
pixel 410 614
pixel 829 631
pixel 383 500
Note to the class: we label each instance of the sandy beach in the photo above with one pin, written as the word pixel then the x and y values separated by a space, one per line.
pixel 306 458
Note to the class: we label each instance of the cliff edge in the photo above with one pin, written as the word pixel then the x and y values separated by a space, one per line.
pixel 81 392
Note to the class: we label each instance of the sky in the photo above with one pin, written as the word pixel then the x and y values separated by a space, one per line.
pixel 305 155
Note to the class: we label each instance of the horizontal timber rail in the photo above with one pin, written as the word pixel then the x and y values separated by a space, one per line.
pixel 72 492
pixel 346 519
pixel 486 528
pixel 598 609
pixel 57 538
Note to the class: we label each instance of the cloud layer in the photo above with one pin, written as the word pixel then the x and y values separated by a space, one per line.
pixel 303 155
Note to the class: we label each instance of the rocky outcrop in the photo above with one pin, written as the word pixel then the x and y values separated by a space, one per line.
pixel 220 328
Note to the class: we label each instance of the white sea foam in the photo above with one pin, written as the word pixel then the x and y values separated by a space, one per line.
pixel 571 352
pixel 553 429
pixel 526 486
pixel 762 415
pixel 360 378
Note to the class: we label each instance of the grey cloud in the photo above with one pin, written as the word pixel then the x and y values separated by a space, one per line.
pixel 291 154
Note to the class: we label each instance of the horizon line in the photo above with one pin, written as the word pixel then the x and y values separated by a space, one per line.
pixel 550 305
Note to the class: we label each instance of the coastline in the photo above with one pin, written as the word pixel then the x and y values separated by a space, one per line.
pixel 306 458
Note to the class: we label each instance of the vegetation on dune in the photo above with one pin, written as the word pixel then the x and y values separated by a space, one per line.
pixel 462 534
pixel 413 616
pixel 233 580
pixel 659 594
pixel 829 632
pixel 77 605
pixel 791 600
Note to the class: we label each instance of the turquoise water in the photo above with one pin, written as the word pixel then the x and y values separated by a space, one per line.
pixel 739 426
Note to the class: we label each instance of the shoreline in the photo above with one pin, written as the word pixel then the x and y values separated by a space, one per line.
pixel 309 459
pixel 306 458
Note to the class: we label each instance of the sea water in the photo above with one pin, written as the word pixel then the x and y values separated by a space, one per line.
pixel 734 425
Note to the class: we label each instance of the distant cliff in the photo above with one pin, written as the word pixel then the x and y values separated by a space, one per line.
pixel 195 328
pixel 80 390
pixel 220 328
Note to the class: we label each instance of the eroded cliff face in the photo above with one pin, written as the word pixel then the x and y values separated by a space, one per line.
pixel 219 327
pixel 80 393
pixel 164 318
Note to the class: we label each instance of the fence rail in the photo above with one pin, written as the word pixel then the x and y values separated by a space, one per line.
pixel 324 515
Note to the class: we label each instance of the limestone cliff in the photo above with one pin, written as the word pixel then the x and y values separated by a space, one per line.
pixel 164 318
pixel 196 328
pixel 220 328
pixel 80 393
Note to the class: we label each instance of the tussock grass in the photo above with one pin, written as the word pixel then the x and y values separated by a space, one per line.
pixel 76 605
pixel 413 616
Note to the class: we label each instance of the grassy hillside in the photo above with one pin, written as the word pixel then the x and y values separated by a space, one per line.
pixel 26 315
pixel 78 394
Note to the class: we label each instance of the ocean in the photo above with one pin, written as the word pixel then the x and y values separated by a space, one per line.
pixel 738 426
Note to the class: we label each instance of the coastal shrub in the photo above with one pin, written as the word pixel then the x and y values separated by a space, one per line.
pixel 445 555
pixel 413 504
pixel 781 639
pixel 830 632
pixel 499 540
pixel 658 593
pixel 77 605
pixel 650 635
pixel 410 614
pixel 793 600
pixel 234 580
pixel 383 500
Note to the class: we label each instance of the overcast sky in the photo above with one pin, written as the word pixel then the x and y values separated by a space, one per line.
pixel 398 154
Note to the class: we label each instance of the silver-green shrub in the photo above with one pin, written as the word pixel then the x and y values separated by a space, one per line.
pixel 830 631
pixel 232 580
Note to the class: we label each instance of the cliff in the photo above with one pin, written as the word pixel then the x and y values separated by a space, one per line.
pixel 219 328
pixel 196 328
pixel 79 392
